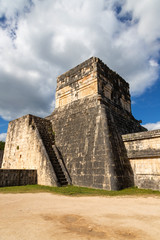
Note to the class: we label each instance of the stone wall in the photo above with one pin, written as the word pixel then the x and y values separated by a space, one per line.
pixel 16 177
pixel 24 149
pixel 143 150
pixel 1 157
pixel 87 133
pixel 77 83
pixel 113 87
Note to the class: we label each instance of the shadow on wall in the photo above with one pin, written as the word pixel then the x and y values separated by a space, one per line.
pixel 122 169
pixel 1 157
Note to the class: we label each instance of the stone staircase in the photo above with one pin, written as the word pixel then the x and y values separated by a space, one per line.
pixel 45 130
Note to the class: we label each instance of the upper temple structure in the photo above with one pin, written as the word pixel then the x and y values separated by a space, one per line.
pixel 91 138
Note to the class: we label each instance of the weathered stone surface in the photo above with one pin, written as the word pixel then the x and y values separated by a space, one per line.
pixel 143 151
pixel 16 177
pixel 148 181
pixel 1 157
pixel 88 127
pixel 90 78
pixel 24 149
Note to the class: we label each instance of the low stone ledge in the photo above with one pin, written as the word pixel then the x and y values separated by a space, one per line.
pixel 147 181
pixel 17 177
pixel 148 153
pixel 141 135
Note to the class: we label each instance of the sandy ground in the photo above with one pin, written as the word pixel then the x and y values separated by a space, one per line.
pixel 46 216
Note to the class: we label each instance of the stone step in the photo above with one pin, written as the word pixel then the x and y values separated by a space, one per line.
pixel 60 175
pixel 55 162
pixel 58 168
pixel 63 183
pixel 62 179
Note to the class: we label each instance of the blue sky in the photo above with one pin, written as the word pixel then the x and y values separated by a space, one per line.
pixel 41 39
pixel 147 105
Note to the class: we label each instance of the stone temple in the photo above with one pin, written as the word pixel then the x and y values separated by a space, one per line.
pixel 91 139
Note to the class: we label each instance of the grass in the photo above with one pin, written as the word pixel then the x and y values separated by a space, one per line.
pixel 79 191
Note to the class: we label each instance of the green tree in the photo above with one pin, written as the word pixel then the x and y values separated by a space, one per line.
pixel 2 144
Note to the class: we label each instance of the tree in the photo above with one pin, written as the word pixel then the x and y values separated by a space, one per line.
pixel 2 144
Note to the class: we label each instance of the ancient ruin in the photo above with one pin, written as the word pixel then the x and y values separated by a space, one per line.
pixel 91 138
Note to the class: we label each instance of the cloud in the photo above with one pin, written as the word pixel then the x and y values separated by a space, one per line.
pixel 152 126
pixel 3 137
pixel 40 40
pixel 153 63
pixel 147 13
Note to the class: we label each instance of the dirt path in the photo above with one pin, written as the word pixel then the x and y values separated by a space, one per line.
pixel 45 216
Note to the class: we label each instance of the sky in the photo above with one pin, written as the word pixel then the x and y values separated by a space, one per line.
pixel 41 39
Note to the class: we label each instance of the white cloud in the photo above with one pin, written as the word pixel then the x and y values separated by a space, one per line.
pixel 152 126
pixel 3 137
pixel 147 13
pixel 54 36
pixel 153 63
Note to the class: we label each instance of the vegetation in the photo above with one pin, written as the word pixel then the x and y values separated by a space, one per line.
pixel 2 144
pixel 79 191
